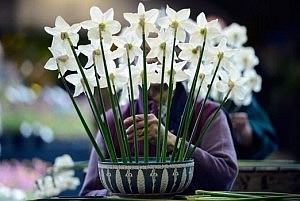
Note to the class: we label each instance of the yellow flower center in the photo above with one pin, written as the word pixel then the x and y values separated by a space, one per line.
pixel 230 84
pixel 169 72
pixel 162 46
pixel 220 55
pixel 64 35
pixel 112 77
pixel 63 58
pixel 142 21
pixel 201 76
pixel 96 52
pixel 102 27
pixel 174 25
pixel 203 31
pixel 195 50
pixel 128 46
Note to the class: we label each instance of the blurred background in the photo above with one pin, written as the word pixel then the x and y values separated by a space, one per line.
pixel 37 120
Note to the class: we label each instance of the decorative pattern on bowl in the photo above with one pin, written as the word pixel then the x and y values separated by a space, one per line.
pixel 146 179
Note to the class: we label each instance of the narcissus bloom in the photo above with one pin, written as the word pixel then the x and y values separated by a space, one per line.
pixel 103 22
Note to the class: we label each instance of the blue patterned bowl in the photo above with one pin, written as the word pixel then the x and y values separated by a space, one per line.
pixel 151 178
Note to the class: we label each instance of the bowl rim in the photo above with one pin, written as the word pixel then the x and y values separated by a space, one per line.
pixel 152 161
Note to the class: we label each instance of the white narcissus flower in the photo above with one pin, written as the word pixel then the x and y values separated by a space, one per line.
pixel 64 161
pixel 63 30
pixel 178 73
pixel 205 76
pixel 117 77
pixel 245 58
pixel 236 35
pixel 61 57
pixel 203 28
pixel 138 75
pixel 77 80
pixel 190 52
pixel 124 97
pixel 65 181
pixel 221 52
pixel 163 42
pixel 178 21
pixel 253 80
pixel 95 56
pixel 103 22
pixel 127 42
pixel 46 187
pixel 142 20
pixel 232 81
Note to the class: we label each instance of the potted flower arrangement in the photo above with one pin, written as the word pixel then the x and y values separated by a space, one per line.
pixel 119 63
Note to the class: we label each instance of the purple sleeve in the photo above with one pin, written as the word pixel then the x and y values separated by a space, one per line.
pixel 92 185
pixel 215 160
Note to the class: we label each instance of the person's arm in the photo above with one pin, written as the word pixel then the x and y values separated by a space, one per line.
pixel 264 139
pixel 215 160
pixel 92 185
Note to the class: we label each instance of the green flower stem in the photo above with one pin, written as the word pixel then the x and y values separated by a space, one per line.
pixel 132 108
pixel 181 149
pixel 90 135
pixel 108 138
pixel 191 105
pixel 119 133
pixel 187 107
pixel 120 119
pixel 86 83
pixel 207 125
pixel 249 196
pixel 158 146
pixel 225 194
pixel 101 127
pixel 101 102
pixel 169 102
pixel 145 102
pixel 199 117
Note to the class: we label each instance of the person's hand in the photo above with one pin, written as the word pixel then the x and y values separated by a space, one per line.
pixel 242 128
pixel 152 130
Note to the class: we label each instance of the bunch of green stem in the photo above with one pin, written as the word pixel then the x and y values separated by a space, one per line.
pixel 188 110
pixel 169 100
pixel 159 130
pixel 248 196
pixel 101 120
pixel 132 108
pixel 182 152
pixel 118 120
pixel 145 94
pixel 200 114
pixel 191 149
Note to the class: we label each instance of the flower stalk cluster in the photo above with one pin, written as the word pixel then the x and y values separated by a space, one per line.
pixel 211 63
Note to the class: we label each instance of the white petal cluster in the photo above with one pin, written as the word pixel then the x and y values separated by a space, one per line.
pixel 61 178
pixel 142 21
pixel 225 64
pixel 236 35
pixel 11 194
pixel 101 22
pixel 178 21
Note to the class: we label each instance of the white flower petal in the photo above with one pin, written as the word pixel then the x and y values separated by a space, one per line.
pixel 183 14
pixel 109 15
pixel 96 14
pixel 201 19
pixel 88 24
pixel 170 12
pixel 61 23
pixel 51 64
pixel 114 27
